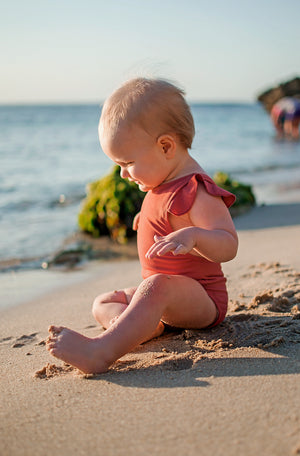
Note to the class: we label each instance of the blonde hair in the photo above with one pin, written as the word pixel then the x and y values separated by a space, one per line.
pixel 158 106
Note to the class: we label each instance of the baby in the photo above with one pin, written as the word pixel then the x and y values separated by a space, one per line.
pixel 184 229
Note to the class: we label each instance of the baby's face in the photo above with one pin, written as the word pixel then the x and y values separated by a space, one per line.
pixel 138 154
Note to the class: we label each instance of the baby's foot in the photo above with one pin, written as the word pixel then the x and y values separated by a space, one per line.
pixel 76 349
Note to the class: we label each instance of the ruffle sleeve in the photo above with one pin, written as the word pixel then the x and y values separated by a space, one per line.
pixel 185 195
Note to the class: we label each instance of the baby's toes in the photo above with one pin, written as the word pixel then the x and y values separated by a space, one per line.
pixel 50 345
pixel 55 330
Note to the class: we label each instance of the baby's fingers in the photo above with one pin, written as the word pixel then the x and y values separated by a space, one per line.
pixel 165 248
pixel 180 250
pixel 153 251
pixel 160 248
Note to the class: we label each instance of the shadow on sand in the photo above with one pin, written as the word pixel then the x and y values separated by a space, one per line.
pixel 202 373
pixel 273 344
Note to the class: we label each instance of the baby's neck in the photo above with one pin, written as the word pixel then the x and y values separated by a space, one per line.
pixel 186 165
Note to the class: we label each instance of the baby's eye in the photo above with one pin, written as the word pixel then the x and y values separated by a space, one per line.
pixel 124 164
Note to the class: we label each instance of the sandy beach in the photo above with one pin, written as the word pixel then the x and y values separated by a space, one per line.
pixel 232 390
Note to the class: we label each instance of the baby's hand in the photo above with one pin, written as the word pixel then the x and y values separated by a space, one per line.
pixel 179 242
pixel 136 220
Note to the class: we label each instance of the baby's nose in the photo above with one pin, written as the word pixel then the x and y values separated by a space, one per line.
pixel 124 173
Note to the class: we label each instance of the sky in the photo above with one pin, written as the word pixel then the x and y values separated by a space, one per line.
pixel 57 51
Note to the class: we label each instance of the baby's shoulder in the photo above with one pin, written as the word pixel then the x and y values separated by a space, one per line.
pixel 205 199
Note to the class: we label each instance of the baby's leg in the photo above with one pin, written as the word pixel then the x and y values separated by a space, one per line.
pixel 107 308
pixel 177 300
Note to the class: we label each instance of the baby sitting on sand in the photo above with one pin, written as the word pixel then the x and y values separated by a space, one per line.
pixel 184 229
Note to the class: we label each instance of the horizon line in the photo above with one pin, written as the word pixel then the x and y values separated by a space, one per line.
pixel 95 103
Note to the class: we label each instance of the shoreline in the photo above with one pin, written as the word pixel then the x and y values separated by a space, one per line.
pixel 18 286
pixel 230 390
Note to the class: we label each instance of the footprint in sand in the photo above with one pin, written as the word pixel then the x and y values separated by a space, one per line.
pixel 5 340
pixel 273 268
pixel 24 340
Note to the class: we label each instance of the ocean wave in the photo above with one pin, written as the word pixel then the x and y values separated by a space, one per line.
pixel 19 206
pixel 25 205
pixel 268 168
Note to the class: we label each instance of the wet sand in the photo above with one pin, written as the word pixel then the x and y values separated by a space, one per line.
pixel 232 390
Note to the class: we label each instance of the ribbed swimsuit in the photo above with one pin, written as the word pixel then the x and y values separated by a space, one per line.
pixel 177 197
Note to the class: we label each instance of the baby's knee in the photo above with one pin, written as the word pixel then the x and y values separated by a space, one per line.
pixel 157 283
pixel 106 298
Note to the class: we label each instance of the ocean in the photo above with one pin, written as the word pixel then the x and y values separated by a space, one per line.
pixel 49 153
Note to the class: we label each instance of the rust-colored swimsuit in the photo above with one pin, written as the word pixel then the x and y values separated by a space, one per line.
pixel 177 197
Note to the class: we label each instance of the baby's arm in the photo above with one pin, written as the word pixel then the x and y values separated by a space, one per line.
pixel 206 230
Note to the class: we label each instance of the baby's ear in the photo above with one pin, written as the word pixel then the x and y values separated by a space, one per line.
pixel 167 144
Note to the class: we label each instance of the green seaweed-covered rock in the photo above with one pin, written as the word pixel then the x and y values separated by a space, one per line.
pixel 110 206
pixel 244 194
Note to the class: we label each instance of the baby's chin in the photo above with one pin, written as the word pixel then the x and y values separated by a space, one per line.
pixel 143 187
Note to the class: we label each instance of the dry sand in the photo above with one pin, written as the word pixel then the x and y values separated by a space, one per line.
pixel 232 390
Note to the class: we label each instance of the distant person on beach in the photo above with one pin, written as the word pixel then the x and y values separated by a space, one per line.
pixel 285 115
pixel 184 229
